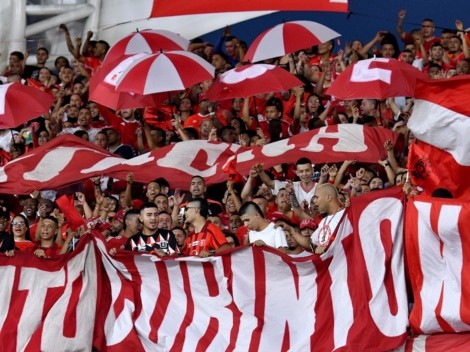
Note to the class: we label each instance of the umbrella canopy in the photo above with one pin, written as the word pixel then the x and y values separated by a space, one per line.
pixel 102 88
pixel 20 103
pixel 287 38
pixel 244 81
pixel 164 72
pixel 147 41
pixel 376 78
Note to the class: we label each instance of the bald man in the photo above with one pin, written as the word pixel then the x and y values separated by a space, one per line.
pixel 326 202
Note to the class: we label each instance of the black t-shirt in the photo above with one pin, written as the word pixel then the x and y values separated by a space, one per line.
pixel 6 242
pixel 161 239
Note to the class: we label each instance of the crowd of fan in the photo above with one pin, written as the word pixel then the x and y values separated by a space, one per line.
pixel 293 207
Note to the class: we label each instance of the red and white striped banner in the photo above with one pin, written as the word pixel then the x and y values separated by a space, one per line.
pixel 68 159
pixel 164 8
pixel 49 305
pixel 353 298
pixel 438 248
pixel 441 157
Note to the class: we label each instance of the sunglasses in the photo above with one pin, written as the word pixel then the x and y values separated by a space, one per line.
pixel 20 223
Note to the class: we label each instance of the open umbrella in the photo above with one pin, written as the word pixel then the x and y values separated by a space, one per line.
pixel 164 72
pixel 376 78
pixel 287 38
pixel 147 41
pixel 244 81
pixel 20 103
pixel 102 88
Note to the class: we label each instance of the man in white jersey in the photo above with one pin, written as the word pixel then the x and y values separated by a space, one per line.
pixel 304 189
pixel 261 231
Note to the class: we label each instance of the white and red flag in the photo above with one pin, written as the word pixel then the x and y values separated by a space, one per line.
pixel 441 123
pixel 247 299
pixel 165 8
pixel 68 159
pixel 437 252
pixel 257 299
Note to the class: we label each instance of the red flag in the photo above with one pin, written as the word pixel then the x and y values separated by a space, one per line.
pixel 164 8
pixel 230 168
pixel 73 217
pixel 440 119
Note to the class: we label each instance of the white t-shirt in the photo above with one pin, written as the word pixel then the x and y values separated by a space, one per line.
pixel 326 229
pixel 273 237
pixel 300 194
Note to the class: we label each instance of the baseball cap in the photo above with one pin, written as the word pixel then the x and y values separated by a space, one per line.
pixel 278 216
pixel 308 223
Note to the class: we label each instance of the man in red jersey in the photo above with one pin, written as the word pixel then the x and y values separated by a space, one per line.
pixel 206 237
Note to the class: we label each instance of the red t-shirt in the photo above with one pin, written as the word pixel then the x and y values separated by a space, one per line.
pixel 51 252
pixel 209 238
pixel 195 121
pixel 24 245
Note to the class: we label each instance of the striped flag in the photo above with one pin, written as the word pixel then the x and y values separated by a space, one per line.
pixel 441 123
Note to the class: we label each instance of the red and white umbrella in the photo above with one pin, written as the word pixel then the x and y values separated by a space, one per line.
pixel 20 103
pixel 287 38
pixel 164 72
pixel 244 81
pixel 147 41
pixel 102 88
pixel 376 78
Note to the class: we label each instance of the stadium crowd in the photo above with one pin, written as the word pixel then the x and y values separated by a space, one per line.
pixel 293 207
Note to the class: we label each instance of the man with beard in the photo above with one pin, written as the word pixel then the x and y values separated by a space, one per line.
pixel 198 189
pixel 151 239
pixel 327 202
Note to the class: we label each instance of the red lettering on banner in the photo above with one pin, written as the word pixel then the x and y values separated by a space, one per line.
pixel 74 306
pixel 440 250
pixel 341 301
pixel 227 266
pixel 36 296
pixel 260 297
pixel 162 302
pixel 188 317
pixel 7 273
pixel 296 281
pixel 385 266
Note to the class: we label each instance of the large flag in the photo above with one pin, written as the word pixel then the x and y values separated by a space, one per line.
pixel 49 304
pixel 68 159
pixel 441 122
pixel 192 19
pixel 437 252
pixel 164 8
pixel 247 299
